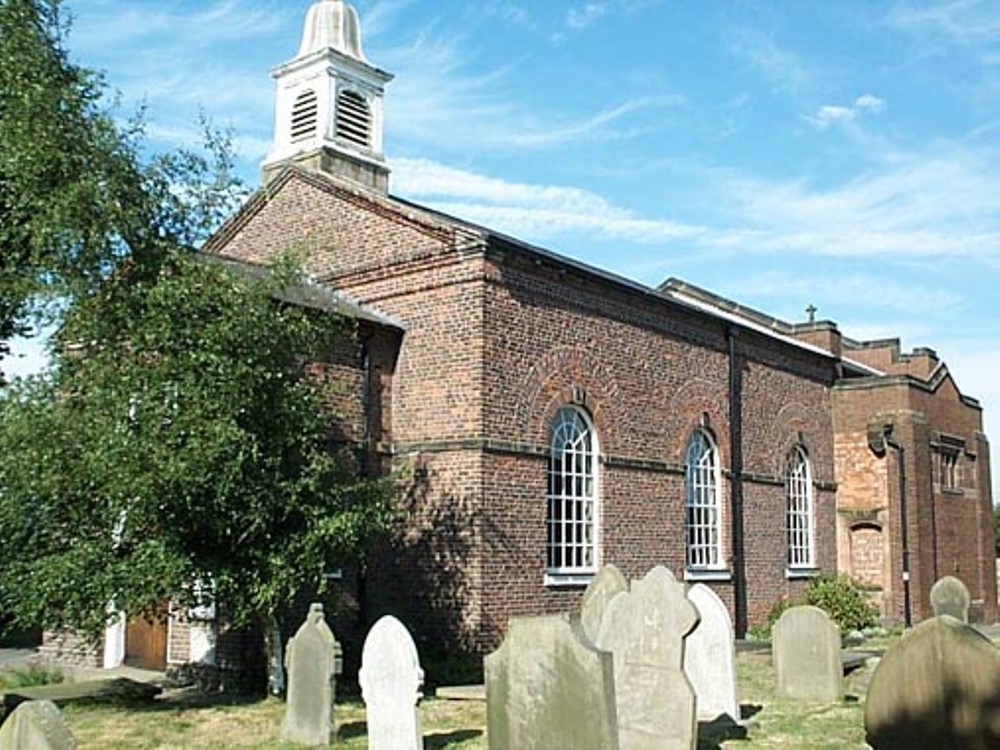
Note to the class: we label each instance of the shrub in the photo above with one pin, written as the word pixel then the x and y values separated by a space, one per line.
pixel 844 599
pixel 33 673
pixel 762 631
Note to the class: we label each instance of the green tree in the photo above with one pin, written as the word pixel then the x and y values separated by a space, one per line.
pixel 179 439
pixel 75 198
pixel 996 528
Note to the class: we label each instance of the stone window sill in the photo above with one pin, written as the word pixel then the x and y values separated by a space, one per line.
pixel 708 574
pixel 794 573
pixel 556 579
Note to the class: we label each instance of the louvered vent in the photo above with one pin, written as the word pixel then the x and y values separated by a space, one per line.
pixel 304 115
pixel 354 120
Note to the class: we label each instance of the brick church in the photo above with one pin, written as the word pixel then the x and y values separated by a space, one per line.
pixel 552 416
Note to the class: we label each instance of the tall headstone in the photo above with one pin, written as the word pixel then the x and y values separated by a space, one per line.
pixel 710 657
pixel 37 725
pixel 313 659
pixel 644 628
pixel 805 647
pixel 938 687
pixel 603 587
pixel 949 596
pixel 390 679
pixel 548 687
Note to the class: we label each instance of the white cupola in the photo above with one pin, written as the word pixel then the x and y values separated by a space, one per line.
pixel 328 106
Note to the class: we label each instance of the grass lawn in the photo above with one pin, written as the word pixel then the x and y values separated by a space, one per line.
pixel 190 721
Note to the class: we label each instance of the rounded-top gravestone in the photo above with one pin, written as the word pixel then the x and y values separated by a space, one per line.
pixel 390 680
pixel 939 687
pixel 805 646
pixel 949 596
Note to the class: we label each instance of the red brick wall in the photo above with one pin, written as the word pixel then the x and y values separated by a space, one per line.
pixel 949 531
pixel 496 340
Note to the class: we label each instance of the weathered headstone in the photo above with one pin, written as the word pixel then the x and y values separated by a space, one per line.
pixel 949 596
pixel 548 687
pixel 603 587
pixel 710 657
pixel 390 680
pixel 644 628
pixel 805 647
pixel 313 659
pixel 939 687
pixel 37 725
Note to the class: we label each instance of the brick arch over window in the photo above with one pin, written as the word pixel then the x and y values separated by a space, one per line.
pixel 699 403
pixel 567 376
pixel 792 426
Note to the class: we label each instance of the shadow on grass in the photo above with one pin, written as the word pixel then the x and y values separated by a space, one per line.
pixel 352 729
pixel 436 741
pixel 444 739
pixel 711 734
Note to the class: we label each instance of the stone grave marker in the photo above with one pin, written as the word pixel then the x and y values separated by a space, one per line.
pixel 938 687
pixel 313 658
pixel 805 646
pixel 949 596
pixel 36 725
pixel 390 679
pixel 548 687
pixel 710 657
pixel 603 587
pixel 644 628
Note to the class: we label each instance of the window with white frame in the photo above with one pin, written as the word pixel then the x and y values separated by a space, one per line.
pixel 702 503
pixel 798 491
pixel 572 495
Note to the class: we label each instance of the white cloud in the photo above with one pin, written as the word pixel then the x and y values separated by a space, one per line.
pixel 583 16
pixel 938 203
pixel 783 69
pixel 535 212
pixel 830 114
pixel 964 21
pixel 486 110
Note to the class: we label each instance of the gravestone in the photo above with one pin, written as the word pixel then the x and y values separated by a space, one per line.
pixel 313 659
pixel 949 596
pixel 390 680
pixel 603 587
pixel 938 687
pixel 710 657
pixel 548 687
pixel 36 725
pixel 805 646
pixel 644 629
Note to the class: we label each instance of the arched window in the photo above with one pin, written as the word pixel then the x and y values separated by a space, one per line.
pixel 305 114
pixel 354 119
pixel 798 491
pixel 572 495
pixel 702 503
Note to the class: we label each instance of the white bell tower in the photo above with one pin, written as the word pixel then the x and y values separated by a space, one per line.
pixel 328 107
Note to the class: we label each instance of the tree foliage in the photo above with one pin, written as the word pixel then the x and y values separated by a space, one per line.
pixel 178 441
pixel 75 198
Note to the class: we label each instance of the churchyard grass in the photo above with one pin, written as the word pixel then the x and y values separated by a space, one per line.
pixel 187 722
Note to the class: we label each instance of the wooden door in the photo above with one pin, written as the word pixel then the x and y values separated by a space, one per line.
pixel 146 641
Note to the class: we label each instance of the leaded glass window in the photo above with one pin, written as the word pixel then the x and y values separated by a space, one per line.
pixel 702 505
pixel 572 494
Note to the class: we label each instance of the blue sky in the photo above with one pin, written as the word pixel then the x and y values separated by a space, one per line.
pixel 843 154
